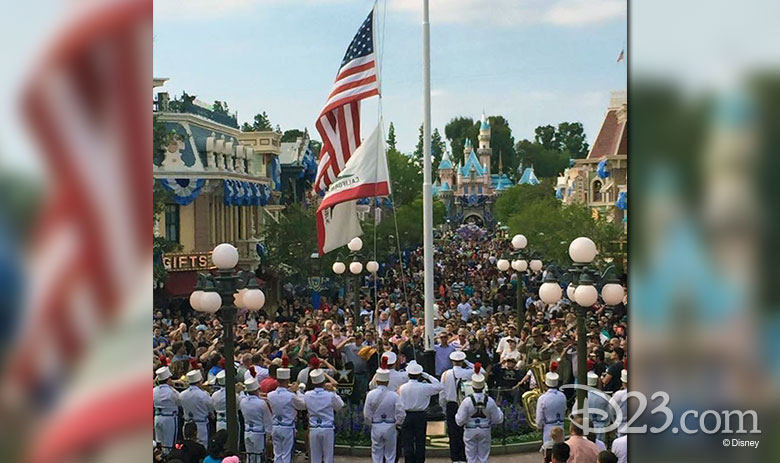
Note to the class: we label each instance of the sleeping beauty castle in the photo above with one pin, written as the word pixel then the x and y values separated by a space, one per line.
pixel 469 190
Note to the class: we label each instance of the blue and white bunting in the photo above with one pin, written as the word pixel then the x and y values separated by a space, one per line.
pixel 184 190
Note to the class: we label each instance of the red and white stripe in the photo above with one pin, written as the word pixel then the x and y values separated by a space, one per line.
pixel 339 121
pixel 87 106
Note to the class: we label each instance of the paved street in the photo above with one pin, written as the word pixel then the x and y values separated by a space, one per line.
pixel 532 457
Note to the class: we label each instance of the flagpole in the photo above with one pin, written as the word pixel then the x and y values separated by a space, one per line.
pixel 427 194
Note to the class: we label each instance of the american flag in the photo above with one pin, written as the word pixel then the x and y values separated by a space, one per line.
pixel 339 121
pixel 87 105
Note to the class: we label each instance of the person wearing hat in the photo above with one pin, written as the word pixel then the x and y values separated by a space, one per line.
pixel 550 407
pixel 478 413
pixel 597 405
pixel 219 400
pixel 257 421
pixel 536 348
pixel 284 401
pixel 383 411
pixel 415 397
pixel 321 403
pixel 165 400
pixel 397 378
pixel 503 342
pixel 450 397
pixel 619 400
pixel 197 405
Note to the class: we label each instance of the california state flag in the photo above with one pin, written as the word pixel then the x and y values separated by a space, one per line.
pixel 364 176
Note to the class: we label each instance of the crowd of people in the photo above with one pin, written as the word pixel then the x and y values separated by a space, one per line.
pixel 313 347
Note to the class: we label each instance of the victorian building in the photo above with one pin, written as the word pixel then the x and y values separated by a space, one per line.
pixel 600 180
pixel 224 186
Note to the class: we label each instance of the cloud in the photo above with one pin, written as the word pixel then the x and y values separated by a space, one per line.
pixel 177 10
pixel 515 12
pixel 504 13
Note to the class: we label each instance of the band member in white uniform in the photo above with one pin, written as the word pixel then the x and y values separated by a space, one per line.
pixel 219 400
pixel 550 407
pixel 415 397
pixel 619 401
pixel 451 381
pixel 598 406
pixel 321 403
pixel 166 409
pixel 382 409
pixel 257 421
pixel 397 378
pixel 197 405
pixel 477 414
pixel 284 401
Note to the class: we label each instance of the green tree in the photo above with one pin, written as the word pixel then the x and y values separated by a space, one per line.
pixel 291 135
pixel 391 141
pixel 291 242
pixel 456 131
pixel 405 177
pixel 571 137
pixel 410 229
pixel 550 226
pixel 502 142
pixel 315 146
pixel 437 147
pixel 546 162
pixel 545 136
pixel 260 123
pixel 517 197
pixel 220 107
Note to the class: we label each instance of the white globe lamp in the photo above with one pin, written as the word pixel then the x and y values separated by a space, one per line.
pixel 503 265
pixel 210 302
pixel 195 299
pixel 355 268
pixel 612 293
pixel 536 265
pixel 586 295
pixel 339 268
pixel 355 245
pixel 372 266
pixel 225 256
pixel 519 242
pixel 253 299
pixel 582 250
pixel 238 298
pixel 550 292
pixel 570 291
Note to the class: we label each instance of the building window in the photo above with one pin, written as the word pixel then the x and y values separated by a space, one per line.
pixel 597 196
pixel 172 222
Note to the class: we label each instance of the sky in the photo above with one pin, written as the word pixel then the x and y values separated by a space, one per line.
pixel 535 62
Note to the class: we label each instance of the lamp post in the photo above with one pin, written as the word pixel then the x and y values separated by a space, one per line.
pixel 520 265
pixel 581 290
pixel 222 294
pixel 355 268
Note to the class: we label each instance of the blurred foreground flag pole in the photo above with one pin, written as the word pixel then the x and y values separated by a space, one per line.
pixel 72 377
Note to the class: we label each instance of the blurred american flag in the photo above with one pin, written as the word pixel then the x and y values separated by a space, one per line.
pixel 70 371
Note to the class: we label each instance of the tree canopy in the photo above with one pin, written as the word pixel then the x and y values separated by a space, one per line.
pixel 551 225
pixel 437 147
pixel 405 176
pixel 260 123
pixel 457 131
pixel 291 135
pixel 391 141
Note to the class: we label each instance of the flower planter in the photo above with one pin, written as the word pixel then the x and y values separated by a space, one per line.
pixel 359 451
pixel 523 447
